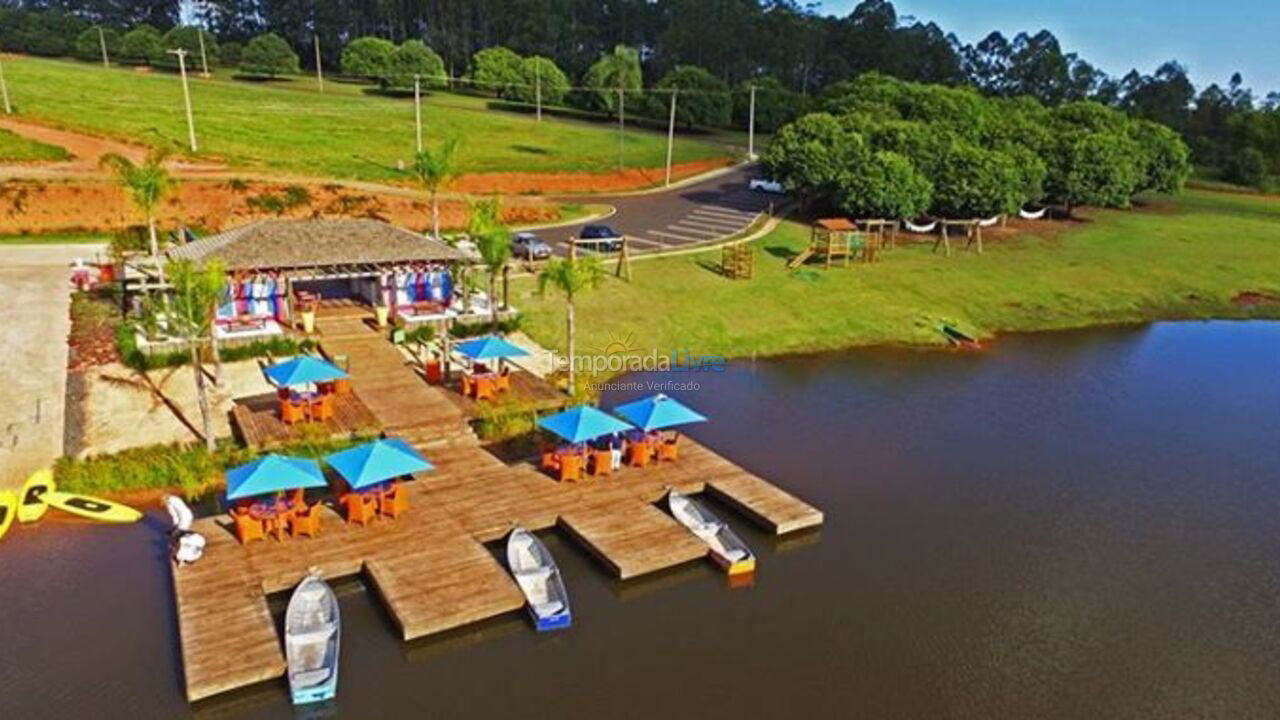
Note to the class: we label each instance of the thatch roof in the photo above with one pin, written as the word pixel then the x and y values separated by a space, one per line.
pixel 286 244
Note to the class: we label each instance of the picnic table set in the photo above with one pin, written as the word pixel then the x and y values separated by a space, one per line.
pixel 597 443
pixel 313 405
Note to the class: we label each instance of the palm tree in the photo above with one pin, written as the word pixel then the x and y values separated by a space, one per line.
pixel 196 292
pixel 434 169
pixel 493 240
pixel 572 276
pixel 147 185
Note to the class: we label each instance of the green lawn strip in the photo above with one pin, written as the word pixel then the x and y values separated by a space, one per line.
pixel 15 148
pixel 339 133
pixel 1180 258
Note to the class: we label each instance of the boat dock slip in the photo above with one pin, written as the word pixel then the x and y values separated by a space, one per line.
pixel 430 566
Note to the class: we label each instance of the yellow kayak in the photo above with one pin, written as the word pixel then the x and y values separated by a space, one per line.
pixel 31 504
pixel 8 508
pixel 92 507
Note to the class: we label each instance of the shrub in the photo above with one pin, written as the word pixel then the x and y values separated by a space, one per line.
pixel 367 57
pixel 140 46
pixel 497 69
pixel 705 98
pixel 1247 167
pixel 231 52
pixel 187 37
pixel 542 71
pixel 268 55
pixel 413 58
pixel 89 45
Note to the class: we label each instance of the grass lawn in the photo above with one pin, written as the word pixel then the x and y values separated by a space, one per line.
pixel 15 148
pixel 1174 258
pixel 344 132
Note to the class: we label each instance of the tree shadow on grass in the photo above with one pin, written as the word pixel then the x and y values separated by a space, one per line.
pixel 781 251
pixel 530 149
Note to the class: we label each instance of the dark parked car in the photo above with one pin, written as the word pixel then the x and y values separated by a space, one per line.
pixel 601 237
pixel 529 246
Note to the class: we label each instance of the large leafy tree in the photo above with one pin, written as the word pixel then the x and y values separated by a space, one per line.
pixel 811 155
pixel 571 277
pixel 89 44
pixel 970 181
pixel 540 72
pixel 367 57
pixel 614 72
pixel 1166 162
pixel 1100 168
pixel 141 46
pixel 885 185
pixel 434 168
pixel 268 55
pixel 703 99
pixel 187 37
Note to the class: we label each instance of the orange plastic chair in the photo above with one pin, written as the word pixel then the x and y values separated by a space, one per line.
pixel 305 522
pixel 668 450
pixel 248 529
pixel 503 382
pixel 464 385
pixel 549 461
pixel 291 412
pixel 393 503
pixel 360 510
pixel 638 454
pixel 322 408
pixel 570 467
pixel 601 462
pixel 484 388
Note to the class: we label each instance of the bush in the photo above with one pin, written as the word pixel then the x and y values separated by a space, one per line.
pixel 187 37
pixel 885 185
pixel 497 69
pixel 89 45
pixel 540 70
pixel 1247 167
pixel 231 52
pixel 368 58
pixel 268 55
pixel 140 46
pixel 702 98
pixel 413 58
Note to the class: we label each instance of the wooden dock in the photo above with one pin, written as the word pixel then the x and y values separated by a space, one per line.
pixel 430 566
pixel 258 421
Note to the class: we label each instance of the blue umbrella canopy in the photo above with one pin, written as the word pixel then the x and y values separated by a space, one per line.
pixel 272 474
pixel 490 346
pixel 657 412
pixel 377 462
pixel 583 423
pixel 303 370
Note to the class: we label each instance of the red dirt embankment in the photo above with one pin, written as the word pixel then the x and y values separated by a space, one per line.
pixel 31 207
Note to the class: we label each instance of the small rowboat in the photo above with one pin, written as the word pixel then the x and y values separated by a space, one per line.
pixel 312 629
pixel 539 579
pixel 958 338
pixel 726 548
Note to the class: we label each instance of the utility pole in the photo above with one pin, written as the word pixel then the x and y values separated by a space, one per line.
pixel 671 132
pixel 204 58
pixel 751 127
pixel 4 90
pixel 319 68
pixel 622 122
pixel 537 87
pixel 417 108
pixel 102 43
pixel 186 95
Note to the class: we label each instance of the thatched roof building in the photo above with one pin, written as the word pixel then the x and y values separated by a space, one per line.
pixel 338 245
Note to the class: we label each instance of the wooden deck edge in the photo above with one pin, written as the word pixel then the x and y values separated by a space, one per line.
pixel 812 518
pixel 600 557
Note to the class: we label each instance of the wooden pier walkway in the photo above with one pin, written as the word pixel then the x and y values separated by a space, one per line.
pixel 430 566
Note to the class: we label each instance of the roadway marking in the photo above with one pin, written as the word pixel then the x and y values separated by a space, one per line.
pixel 714 224
pixel 695 231
pixel 681 238
pixel 632 239
pixel 721 216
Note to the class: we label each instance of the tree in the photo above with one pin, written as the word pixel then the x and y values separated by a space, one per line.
pixel 535 72
pixel 1166 162
pixel 187 37
pixel 268 55
pixel 140 46
pixel 1248 167
pixel 885 185
pixel 776 105
pixel 1101 168
pixel 972 182
pixel 190 317
pixel 413 58
pixel 614 72
pixel 572 277
pixel 493 240
pixel 497 69
pixel 434 169
pixel 147 184
pixel 368 58
pixel 231 52
pixel 703 99
pixel 89 45
pixel 810 156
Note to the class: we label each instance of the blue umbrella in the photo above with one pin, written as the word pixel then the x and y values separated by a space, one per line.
pixel 583 423
pixel 657 412
pixel 303 370
pixel 377 462
pixel 490 346
pixel 272 474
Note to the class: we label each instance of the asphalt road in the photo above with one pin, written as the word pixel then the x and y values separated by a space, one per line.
pixel 691 215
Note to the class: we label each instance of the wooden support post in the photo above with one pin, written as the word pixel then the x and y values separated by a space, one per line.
pixel 622 123
pixel 417 109
pixel 671 134
pixel 4 90
pixel 751 127
pixel 624 261
pixel 186 96
pixel 204 56
pixel 506 287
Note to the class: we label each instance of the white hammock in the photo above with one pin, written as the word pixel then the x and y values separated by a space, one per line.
pixel 922 229
pixel 989 221
pixel 1037 215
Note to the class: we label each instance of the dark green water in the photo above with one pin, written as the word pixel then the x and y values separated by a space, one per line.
pixel 1074 525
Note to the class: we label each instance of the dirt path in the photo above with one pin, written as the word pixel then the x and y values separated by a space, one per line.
pixel 87 151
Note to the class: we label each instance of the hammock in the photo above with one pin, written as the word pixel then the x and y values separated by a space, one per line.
pixel 1037 215
pixel 989 221
pixel 922 229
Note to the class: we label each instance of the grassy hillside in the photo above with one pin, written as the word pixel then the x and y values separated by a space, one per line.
pixel 344 132
pixel 15 148
pixel 1182 257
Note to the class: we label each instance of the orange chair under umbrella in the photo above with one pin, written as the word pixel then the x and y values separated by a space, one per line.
pixel 361 509
pixel 394 502
pixel 305 522
pixel 248 528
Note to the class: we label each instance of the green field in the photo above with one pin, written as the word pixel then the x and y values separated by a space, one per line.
pixel 1185 257
pixel 15 148
pixel 345 132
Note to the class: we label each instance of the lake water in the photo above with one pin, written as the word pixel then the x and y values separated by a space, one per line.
pixel 1078 525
